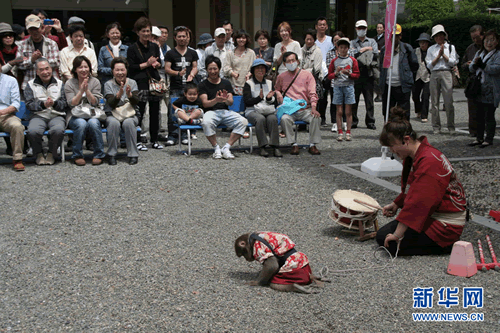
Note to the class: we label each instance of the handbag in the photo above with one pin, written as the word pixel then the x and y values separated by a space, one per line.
pixel 473 89
pixel 264 108
pixel 86 111
pixel 123 112
pixel 156 87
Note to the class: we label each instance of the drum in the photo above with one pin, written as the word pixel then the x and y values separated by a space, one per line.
pixel 348 213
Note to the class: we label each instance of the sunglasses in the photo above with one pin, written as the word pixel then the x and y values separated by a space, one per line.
pixel 180 27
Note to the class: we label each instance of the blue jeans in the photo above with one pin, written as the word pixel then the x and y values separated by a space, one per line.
pixel 80 126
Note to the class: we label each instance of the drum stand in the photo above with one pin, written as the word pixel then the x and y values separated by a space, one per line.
pixel 362 235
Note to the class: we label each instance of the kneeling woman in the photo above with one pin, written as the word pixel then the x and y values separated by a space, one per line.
pixel 83 93
pixel 122 96
pixel 433 210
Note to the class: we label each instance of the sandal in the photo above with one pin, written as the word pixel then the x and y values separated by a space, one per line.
pixel 485 144
pixel 282 135
pixel 156 145
pixel 475 143
pixel 142 147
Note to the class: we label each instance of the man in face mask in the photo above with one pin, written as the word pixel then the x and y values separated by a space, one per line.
pixel 298 84
pixel 365 51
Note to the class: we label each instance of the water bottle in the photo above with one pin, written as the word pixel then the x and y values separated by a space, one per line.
pixel 101 103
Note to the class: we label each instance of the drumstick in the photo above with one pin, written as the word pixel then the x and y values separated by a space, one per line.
pixel 378 207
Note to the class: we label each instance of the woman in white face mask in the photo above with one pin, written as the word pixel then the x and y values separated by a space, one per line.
pixel 286 44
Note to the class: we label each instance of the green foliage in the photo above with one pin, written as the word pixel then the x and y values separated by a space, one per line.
pixel 457 26
pixel 422 10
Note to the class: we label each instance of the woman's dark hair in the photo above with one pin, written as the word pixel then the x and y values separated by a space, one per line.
pixel 210 59
pixel 77 62
pixel 264 33
pixel 18 29
pixel 241 33
pixel 493 33
pixel 141 23
pixel 112 26
pixel 39 11
pixel 190 85
pixel 310 32
pixel 338 33
pixel 75 28
pixel 397 127
pixel 119 60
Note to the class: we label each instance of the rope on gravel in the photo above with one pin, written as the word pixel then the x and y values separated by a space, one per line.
pixel 374 266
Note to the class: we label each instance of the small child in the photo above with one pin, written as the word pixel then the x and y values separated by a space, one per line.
pixel 343 70
pixel 188 107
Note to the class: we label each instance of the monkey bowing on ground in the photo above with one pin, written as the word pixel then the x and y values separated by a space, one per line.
pixel 284 268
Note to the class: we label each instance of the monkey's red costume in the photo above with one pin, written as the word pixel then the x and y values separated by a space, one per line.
pixel 295 269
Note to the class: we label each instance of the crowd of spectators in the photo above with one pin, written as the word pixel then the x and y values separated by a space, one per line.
pixel 68 83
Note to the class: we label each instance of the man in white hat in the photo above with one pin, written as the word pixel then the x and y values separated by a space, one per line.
pixel 440 59
pixel 362 47
pixel 35 47
pixel 218 48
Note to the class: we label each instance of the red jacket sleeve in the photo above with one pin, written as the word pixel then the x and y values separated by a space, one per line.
pixel 331 69
pixel 355 69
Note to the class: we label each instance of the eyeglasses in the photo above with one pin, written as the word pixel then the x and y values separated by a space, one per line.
pixel 180 27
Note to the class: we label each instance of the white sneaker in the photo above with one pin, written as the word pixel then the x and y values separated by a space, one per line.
pixel 29 153
pixel 194 137
pixel 334 128
pixel 226 154
pixel 344 126
pixel 184 141
pixel 217 154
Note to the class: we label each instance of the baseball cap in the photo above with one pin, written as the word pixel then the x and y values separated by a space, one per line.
pixel 33 21
pixel 219 31
pixel 361 23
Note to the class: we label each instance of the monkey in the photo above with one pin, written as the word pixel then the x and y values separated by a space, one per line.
pixel 284 268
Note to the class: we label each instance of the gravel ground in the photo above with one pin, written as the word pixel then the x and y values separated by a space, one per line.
pixel 150 247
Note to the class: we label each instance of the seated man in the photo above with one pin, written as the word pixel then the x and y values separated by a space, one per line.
pixel 216 94
pixel 298 84
pixel 46 99
pixel 10 102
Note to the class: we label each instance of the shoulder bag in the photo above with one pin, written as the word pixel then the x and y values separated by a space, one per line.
pixel 156 87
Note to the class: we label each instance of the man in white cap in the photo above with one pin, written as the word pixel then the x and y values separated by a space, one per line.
pixel 440 59
pixel 365 51
pixel 218 48
pixel 75 20
pixel 34 47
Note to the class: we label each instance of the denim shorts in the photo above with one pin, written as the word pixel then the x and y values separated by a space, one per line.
pixel 343 95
